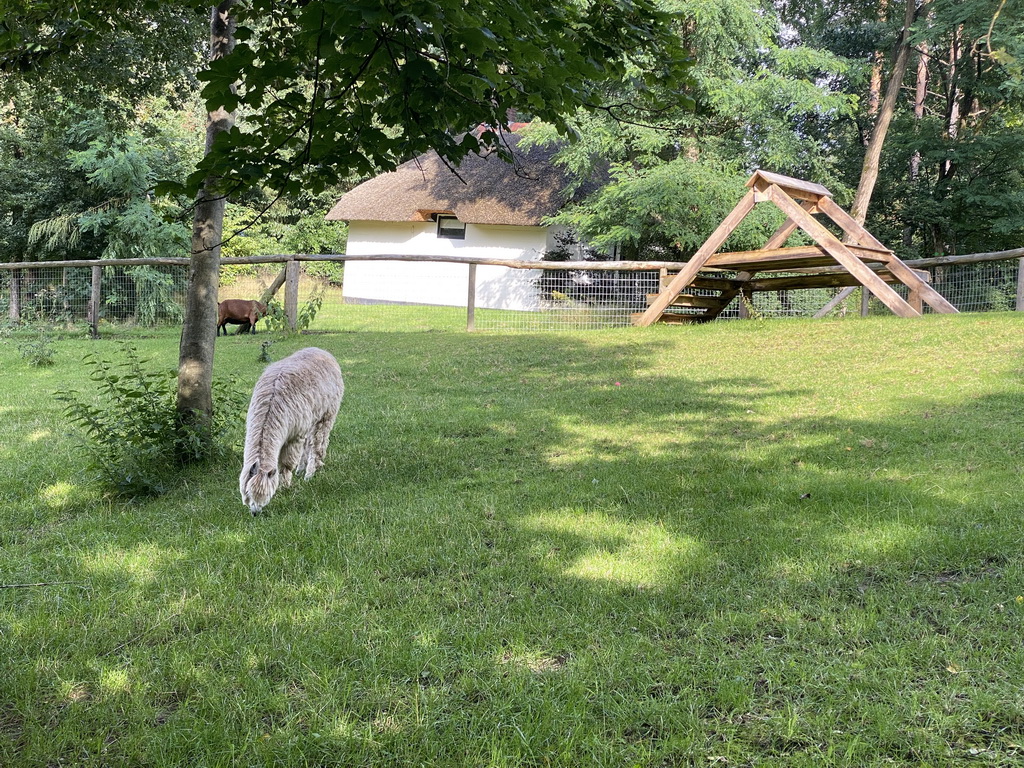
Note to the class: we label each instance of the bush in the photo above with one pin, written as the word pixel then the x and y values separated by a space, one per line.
pixel 37 352
pixel 277 320
pixel 135 442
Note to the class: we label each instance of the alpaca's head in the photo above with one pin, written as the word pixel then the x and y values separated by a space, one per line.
pixel 257 485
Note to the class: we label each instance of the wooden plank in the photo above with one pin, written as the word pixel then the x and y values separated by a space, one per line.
pixel 712 244
pixel 677 318
pixel 783 265
pixel 804 190
pixel 797 282
pixel 670 318
pixel 842 254
pixel 779 259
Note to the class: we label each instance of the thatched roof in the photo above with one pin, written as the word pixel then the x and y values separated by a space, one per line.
pixel 490 190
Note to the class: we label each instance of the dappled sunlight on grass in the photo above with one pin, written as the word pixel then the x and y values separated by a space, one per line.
pixel 636 553
pixel 114 681
pixel 38 435
pixel 58 495
pixel 141 563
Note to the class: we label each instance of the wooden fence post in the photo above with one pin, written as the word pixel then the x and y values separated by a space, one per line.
pixel 865 301
pixel 914 298
pixel 291 294
pixel 471 300
pixel 1020 286
pixel 14 308
pixel 94 302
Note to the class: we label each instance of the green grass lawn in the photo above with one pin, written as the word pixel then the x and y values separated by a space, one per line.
pixel 744 544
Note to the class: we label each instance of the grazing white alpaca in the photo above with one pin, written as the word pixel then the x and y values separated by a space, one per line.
pixel 290 417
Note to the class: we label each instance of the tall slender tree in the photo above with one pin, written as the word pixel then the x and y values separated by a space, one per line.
pixel 873 152
pixel 198 334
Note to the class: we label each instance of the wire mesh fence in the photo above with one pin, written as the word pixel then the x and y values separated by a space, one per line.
pixel 552 299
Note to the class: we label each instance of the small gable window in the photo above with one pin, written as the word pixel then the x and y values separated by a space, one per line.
pixel 451 228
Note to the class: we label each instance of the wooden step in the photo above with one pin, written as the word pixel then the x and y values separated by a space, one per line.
pixel 677 318
pixel 690 301
pixel 708 283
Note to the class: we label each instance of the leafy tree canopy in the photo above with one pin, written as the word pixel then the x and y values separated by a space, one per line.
pixel 759 104
pixel 327 89
pixel 108 53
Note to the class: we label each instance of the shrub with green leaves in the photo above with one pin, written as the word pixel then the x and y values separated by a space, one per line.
pixel 135 441
pixel 37 351
pixel 277 320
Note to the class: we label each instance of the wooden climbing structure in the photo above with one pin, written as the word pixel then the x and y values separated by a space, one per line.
pixel 859 259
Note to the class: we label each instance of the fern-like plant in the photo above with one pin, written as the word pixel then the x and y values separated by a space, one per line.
pixel 135 442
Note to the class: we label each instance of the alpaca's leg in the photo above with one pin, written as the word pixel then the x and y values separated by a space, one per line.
pixel 318 444
pixel 291 456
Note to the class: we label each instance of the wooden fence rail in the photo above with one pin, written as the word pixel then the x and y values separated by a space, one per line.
pixel 290 273
pixel 620 266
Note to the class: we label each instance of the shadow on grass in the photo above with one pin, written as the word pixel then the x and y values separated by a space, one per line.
pixel 521 549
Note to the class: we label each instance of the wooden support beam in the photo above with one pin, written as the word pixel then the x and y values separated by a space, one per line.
pixel 841 253
pixel 741 282
pixel 838 299
pixel 708 283
pixel 781 235
pixel 857 231
pixel 712 244
pixel 908 276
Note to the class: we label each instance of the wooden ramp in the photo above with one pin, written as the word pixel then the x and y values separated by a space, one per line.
pixel 859 261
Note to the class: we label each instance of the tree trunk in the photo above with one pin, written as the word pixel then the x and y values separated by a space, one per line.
pixel 920 93
pixel 873 154
pixel 878 59
pixel 953 98
pixel 199 331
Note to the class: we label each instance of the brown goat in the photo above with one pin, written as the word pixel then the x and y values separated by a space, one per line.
pixel 239 312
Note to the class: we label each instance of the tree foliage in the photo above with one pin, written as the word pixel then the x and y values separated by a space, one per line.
pixel 964 193
pixel 758 104
pixel 328 89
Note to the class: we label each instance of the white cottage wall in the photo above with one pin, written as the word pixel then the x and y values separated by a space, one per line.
pixel 439 283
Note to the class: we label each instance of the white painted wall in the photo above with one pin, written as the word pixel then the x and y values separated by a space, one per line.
pixel 440 283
